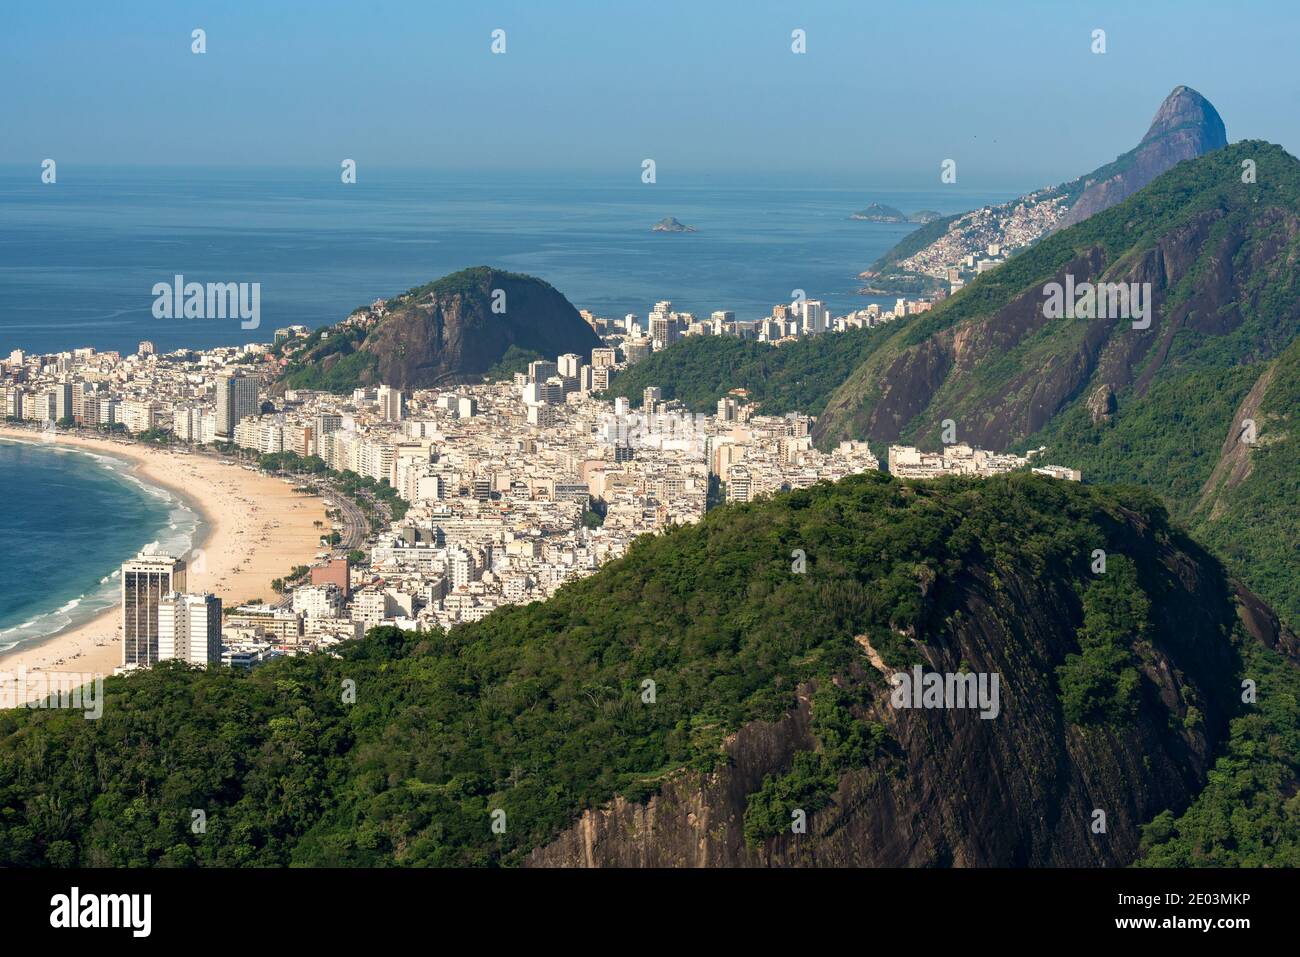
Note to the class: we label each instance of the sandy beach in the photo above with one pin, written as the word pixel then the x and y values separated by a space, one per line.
pixel 255 529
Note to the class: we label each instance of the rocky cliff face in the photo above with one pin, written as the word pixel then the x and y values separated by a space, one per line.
pixel 461 325
pixel 451 330
pixel 1186 126
pixel 1022 789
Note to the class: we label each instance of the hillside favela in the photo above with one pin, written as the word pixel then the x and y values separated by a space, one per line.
pixel 677 496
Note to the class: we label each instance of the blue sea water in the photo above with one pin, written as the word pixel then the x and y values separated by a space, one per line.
pixel 68 519
pixel 79 258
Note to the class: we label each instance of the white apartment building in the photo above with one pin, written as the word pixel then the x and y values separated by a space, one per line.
pixel 569 364
pixel 318 601
pixel 369 607
pixel 138 415
pixel 739 484
pixel 189 628
pixel 813 316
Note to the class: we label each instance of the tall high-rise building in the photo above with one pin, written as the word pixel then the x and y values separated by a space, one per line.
pixel 634 350
pixel 815 318
pixel 146 581
pixel 740 484
pixel 189 628
pixel 13 405
pixel 236 398
pixel 652 395
pixel 109 411
pixel 392 404
pixel 45 407
pixel 327 422
pixel 138 415
pixel 664 329
pixel 541 370
pixel 63 396
pixel 568 365
pixel 553 391
pixel 84 402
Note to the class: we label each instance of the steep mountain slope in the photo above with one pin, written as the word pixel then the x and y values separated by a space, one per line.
pixel 709 689
pixel 453 329
pixel 1218 254
pixel 1249 507
pixel 1124 404
pixel 1185 126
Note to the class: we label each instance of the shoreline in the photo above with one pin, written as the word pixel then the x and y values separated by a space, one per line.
pixel 125 471
pixel 250 530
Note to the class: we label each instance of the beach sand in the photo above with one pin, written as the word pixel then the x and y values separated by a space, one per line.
pixel 255 529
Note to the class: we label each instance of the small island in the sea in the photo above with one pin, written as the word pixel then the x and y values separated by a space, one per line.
pixel 669 224
pixel 880 213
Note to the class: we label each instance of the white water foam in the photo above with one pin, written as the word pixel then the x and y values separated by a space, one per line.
pixel 176 537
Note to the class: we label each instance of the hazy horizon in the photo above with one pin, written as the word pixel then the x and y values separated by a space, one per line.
pixel 882 96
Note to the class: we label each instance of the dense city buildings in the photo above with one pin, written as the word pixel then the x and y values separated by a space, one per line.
pixel 786 323
pixel 906 461
pixel 507 489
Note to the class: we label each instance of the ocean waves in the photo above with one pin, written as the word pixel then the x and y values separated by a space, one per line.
pixel 75 515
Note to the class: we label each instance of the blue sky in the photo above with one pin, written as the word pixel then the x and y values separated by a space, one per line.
pixel 886 91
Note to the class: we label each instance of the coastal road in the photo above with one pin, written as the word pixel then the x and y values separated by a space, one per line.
pixel 356 528
pixel 355 525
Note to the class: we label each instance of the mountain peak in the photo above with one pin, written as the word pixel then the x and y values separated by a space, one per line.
pixel 1186 126
pixel 1186 109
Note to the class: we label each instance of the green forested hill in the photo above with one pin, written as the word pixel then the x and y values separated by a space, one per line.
pixel 541 711
pixel 1249 509
pixel 454 329
pixel 1217 252
pixel 794 377
pixel 1153 407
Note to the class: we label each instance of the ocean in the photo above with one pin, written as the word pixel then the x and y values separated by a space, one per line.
pixel 68 519
pixel 79 257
